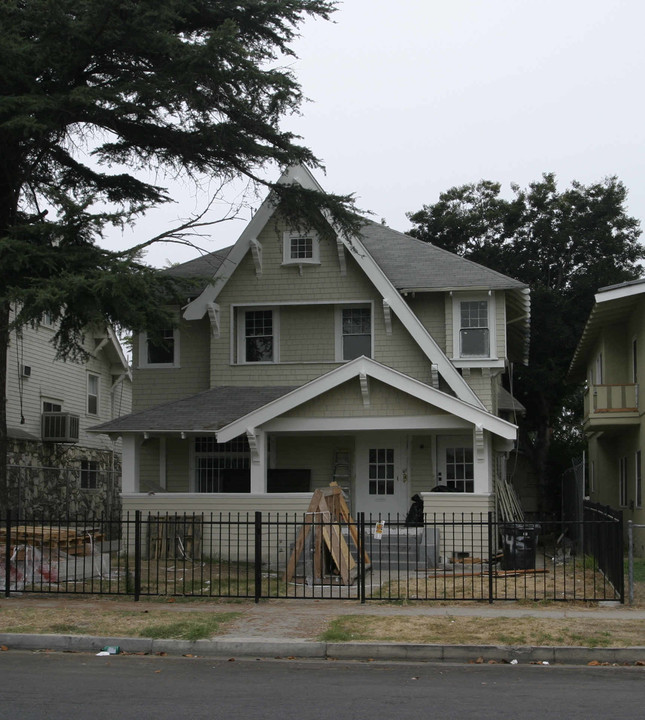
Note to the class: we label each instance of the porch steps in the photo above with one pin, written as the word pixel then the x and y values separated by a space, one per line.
pixel 404 549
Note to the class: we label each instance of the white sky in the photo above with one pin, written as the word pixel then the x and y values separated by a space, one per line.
pixel 410 98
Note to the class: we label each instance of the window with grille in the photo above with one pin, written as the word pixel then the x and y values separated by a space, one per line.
pixel 460 469
pixel 356 330
pixel 381 471
pixel 300 249
pixel 222 467
pixel 474 338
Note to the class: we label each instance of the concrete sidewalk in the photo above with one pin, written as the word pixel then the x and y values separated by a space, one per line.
pixel 289 628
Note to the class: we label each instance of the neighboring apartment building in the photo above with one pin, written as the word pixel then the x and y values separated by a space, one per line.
pixel 375 361
pixel 55 465
pixel 610 359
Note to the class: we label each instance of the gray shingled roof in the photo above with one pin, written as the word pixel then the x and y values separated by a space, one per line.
pixel 201 269
pixel 506 402
pixel 412 264
pixel 206 412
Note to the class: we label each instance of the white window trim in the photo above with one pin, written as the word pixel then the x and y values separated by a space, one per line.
pixel 286 249
pixel 54 401
pixel 490 360
pixel 240 329
pixel 98 394
pixel 338 327
pixel 143 352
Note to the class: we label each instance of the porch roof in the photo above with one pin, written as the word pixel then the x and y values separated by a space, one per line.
pixel 205 412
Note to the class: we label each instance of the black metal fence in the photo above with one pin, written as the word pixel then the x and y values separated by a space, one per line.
pixel 447 557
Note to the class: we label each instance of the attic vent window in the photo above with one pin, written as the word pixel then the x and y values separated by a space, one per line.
pixel 300 249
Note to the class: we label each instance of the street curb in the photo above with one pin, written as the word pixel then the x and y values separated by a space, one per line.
pixel 282 649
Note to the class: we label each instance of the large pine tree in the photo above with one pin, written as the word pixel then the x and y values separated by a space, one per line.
pixel 93 91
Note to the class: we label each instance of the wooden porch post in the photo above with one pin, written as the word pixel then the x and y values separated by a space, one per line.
pixel 130 464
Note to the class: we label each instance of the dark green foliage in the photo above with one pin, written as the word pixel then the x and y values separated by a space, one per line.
pixel 94 91
pixel 564 245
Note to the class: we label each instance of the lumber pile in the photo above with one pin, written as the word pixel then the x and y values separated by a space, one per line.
pixel 72 541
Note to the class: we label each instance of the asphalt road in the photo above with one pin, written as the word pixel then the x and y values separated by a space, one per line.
pixel 80 686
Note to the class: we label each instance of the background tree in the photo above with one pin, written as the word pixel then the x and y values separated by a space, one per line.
pixel 564 245
pixel 93 91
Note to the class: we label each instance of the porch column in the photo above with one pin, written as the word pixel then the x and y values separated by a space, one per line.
pixel 257 445
pixel 482 471
pixel 130 464
pixel 162 462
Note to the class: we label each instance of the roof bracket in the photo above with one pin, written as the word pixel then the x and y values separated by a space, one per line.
pixel 256 251
pixel 479 443
pixel 365 389
pixel 214 316
pixel 434 370
pixel 253 445
pixel 387 316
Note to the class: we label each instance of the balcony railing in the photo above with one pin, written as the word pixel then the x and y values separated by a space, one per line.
pixel 603 400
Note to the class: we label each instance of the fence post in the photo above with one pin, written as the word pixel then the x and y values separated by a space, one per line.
pixel 361 555
pixel 7 560
pixel 490 557
pixel 619 554
pixel 258 555
pixel 630 560
pixel 137 555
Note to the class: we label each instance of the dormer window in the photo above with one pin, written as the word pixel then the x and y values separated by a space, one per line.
pixel 300 249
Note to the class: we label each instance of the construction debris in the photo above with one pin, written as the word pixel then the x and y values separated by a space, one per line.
pixel 322 537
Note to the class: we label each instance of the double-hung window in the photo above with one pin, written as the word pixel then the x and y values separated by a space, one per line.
pixel 473 318
pixel 92 394
pixel 258 336
pixel 356 332
pixel 474 333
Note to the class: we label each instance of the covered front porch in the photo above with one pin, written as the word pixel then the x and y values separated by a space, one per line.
pixel 382 436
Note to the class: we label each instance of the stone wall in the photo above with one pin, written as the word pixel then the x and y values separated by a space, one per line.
pixel 45 479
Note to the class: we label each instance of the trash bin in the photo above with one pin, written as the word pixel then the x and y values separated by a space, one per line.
pixel 519 542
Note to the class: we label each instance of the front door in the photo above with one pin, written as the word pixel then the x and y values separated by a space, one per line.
pixel 381 475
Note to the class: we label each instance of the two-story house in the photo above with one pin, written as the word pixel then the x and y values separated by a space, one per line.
pixel 610 359
pixel 375 361
pixel 55 465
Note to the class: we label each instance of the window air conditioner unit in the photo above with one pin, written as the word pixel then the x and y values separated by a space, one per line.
pixel 60 427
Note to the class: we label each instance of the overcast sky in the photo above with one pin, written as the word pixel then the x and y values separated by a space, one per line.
pixel 412 97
